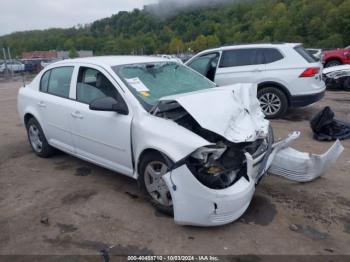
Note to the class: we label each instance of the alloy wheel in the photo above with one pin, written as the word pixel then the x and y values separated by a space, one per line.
pixel 270 103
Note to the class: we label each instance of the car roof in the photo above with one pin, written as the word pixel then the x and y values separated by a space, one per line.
pixel 259 45
pixel 114 60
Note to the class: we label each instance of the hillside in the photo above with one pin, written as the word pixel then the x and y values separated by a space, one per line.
pixel 159 29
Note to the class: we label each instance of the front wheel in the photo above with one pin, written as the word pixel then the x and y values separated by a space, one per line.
pixel 152 169
pixel 332 63
pixel 273 102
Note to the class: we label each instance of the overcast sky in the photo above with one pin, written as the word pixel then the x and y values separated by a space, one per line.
pixel 19 15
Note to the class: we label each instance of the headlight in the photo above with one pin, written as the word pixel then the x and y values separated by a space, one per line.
pixel 209 154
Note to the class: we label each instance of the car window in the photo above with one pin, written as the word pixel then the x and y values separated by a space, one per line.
pixel 272 55
pixel 312 52
pixel 301 51
pixel 59 82
pixel 240 57
pixel 153 81
pixel 205 63
pixel 92 85
pixel 44 82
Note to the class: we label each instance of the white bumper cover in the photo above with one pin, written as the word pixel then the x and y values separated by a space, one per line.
pixel 195 204
pixel 304 167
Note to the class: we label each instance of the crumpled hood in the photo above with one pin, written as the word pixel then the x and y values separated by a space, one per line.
pixel 232 111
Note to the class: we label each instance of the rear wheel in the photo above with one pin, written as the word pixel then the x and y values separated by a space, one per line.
pixel 332 63
pixel 273 102
pixel 153 167
pixel 38 140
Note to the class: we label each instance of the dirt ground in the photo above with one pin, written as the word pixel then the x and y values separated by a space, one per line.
pixel 63 205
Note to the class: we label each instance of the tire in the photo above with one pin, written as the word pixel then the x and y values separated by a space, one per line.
pixel 150 187
pixel 37 139
pixel 273 102
pixel 332 63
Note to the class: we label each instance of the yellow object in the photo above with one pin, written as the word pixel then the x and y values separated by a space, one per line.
pixel 214 170
pixel 145 93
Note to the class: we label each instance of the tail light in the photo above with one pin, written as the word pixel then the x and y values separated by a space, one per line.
pixel 310 72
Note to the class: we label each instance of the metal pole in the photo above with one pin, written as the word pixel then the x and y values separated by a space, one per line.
pixel 5 61
pixel 10 58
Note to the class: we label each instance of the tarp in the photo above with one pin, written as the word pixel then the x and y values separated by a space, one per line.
pixel 327 128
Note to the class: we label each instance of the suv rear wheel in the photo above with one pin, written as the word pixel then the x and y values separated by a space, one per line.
pixel 273 102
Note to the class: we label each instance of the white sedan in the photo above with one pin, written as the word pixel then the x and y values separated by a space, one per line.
pixel 14 66
pixel 197 151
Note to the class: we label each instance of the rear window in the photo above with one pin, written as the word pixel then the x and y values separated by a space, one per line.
pixel 272 55
pixel 240 57
pixel 45 81
pixel 59 81
pixel 305 54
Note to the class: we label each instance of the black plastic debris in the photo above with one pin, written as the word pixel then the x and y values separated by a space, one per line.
pixel 44 220
pixel 326 128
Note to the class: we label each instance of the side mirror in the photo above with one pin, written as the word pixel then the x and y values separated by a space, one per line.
pixel 109 104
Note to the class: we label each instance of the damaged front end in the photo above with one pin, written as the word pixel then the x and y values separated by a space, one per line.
pixel 223 162
pixel 214 184
pixel 337 77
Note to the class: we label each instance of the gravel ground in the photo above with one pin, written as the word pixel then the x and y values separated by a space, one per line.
pixel 63 205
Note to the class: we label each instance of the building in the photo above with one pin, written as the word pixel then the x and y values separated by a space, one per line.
pixel 40 55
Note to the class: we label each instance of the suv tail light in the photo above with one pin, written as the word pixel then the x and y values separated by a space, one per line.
pixel 310 72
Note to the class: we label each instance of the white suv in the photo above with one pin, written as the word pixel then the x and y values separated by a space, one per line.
pixel 286 74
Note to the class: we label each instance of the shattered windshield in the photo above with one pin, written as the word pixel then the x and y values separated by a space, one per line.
pixel 153 81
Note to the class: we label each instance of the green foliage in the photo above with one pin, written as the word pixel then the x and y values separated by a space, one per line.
pixel 317 23
pixel 73 53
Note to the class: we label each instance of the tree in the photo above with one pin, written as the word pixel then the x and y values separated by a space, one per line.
pixel 73 53
pixel 318 23
pixel 176 46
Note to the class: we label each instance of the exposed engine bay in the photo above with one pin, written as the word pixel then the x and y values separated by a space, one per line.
pixel 218 166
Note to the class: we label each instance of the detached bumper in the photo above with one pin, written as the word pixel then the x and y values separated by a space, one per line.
pixel 304 167
pixel 197 205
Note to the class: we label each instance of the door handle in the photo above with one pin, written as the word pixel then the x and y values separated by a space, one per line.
pixel 41 104
pixel 77 115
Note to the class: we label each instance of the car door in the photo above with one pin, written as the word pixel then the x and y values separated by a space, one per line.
pixel 206 64
pixel 101 137
pixel 240 66
pixel 54 105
